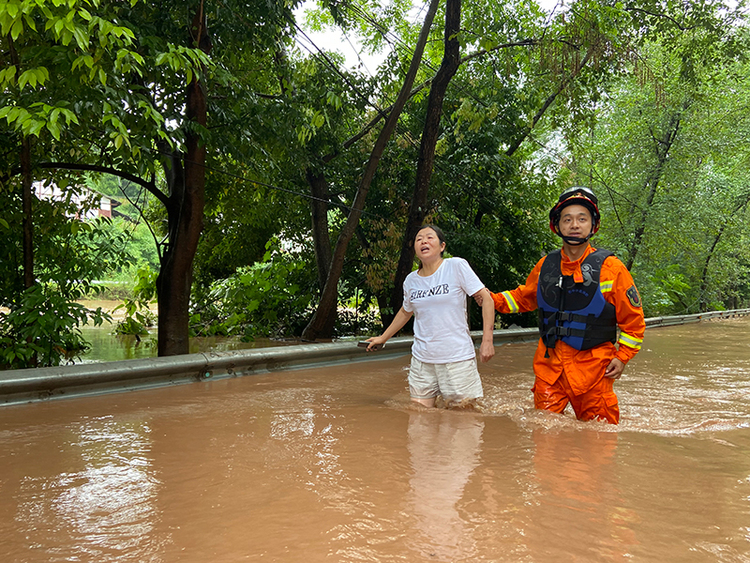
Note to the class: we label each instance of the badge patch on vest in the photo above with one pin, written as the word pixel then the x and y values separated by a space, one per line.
pixel 634 297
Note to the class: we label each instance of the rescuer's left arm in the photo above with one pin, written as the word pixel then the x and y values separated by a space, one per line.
pixel 521 299
pixel 619 289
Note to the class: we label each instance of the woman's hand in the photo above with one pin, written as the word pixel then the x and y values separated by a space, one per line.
pixel 486 351
pixel 376 342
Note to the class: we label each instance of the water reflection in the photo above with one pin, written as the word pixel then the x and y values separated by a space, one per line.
pixel 109 347
pixel 102 505
pixel 444 451
pixel 576 498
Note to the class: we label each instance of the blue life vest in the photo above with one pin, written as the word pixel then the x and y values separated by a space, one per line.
pixel 575 313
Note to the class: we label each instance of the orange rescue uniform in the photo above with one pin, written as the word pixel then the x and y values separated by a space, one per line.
pixel 583 383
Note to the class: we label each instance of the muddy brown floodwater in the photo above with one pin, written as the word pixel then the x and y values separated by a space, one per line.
pixel 334 465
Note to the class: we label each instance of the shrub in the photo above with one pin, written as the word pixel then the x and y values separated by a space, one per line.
pixel 270 298
pixel 138 315
pixel 44 329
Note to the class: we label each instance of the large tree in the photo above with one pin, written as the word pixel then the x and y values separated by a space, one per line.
pixel 321 324
pixel 133 89
pixel 664 149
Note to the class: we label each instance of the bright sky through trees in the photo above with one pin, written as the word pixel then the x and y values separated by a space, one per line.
pixel 348 44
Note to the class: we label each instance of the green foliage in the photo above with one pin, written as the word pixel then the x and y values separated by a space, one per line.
pixel 269 298
pixel 43 329
pixel 357 315
pixel 68 59
pixel 104 82
pixel 669 292
pixel 240 218
pixel 666 153
pixel 69 253
pixel 81 253
pixel 42 324
pixel 138 315
pixel 132 207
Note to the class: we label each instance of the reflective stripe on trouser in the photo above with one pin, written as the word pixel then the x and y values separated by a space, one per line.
pixel 599 402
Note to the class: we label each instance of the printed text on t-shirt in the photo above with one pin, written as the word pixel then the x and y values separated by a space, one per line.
pixel 441 289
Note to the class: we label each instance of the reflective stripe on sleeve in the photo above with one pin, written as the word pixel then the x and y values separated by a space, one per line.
pixel 631 341
pixel 606 286
pixel 510 301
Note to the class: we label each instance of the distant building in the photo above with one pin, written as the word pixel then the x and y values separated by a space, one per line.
pixel 51 192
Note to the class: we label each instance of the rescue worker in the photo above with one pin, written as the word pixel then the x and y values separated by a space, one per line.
pixel 583 296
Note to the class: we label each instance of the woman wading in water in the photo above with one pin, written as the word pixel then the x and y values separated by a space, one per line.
pixel 443 355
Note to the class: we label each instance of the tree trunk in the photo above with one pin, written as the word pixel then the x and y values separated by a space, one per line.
pixel 703 302
pixel 185 216
pixel 26 193
pixel 322 322
pixel 430 132
pixel 27 196
pixel 662 148
pixel 321 240
pixel 526 131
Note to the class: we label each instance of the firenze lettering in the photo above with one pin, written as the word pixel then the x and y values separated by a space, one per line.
pixel 437 290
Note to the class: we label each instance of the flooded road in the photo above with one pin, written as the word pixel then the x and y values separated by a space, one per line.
pixel 335 465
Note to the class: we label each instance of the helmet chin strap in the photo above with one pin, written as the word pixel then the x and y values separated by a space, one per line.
pixel 576 241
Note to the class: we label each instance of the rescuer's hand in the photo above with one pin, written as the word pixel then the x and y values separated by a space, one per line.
pixel 479 298
pixel 614 369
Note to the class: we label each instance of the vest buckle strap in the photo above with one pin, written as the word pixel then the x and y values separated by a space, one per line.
pixel 567 316
pixel 560 331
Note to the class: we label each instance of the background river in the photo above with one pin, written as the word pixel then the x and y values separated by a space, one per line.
pixel 335 465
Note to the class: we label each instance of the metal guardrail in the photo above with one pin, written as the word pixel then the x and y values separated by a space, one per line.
pixel 684 319
pixel 40 384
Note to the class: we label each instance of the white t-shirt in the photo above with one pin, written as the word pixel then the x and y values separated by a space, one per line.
pixel 441 326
